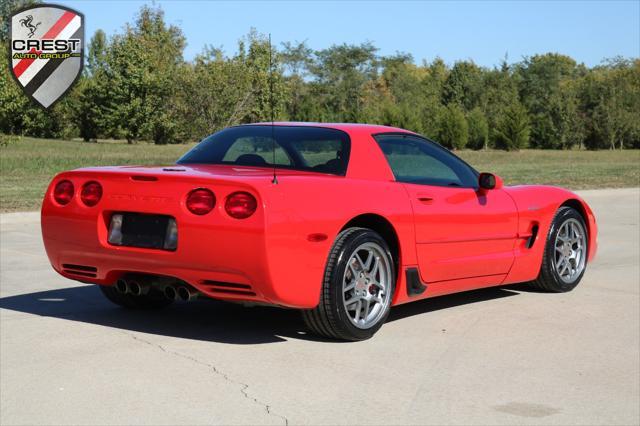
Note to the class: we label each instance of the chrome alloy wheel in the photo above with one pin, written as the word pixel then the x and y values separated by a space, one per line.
pixel 366 285
pixel 570 251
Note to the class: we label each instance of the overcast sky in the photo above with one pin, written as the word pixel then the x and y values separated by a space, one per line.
pixel 483 31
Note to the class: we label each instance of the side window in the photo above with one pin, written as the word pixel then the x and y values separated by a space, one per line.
pixel 414 160
pixel 255 151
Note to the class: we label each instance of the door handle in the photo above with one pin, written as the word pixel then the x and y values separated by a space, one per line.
pixel 425 199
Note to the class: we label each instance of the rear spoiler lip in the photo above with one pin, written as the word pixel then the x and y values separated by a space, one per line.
pixel 158 175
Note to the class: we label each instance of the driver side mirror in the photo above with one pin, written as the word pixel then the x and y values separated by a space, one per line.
pixel 489 181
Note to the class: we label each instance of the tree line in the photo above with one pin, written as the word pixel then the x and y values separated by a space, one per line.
pixel 136 85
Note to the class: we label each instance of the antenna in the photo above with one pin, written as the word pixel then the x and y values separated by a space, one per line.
pixel 273 127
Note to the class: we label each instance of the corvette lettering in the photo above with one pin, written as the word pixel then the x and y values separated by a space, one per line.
pixel 149 199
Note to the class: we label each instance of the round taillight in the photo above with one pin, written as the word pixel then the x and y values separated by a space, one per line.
pixel 200 201
pixel 91 193
pixel 63 192
pixel 240 205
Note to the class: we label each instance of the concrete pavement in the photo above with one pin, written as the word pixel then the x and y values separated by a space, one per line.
pixel 496 356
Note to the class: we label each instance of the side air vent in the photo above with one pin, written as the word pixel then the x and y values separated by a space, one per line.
pixel 80 270
pixel 532 238
pixel 228 288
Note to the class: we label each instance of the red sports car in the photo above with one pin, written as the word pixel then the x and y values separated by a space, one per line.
pixel 341 221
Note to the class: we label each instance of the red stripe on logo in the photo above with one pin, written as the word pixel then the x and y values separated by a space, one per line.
pixel 23 64
pixel 64 20
pixel 59 26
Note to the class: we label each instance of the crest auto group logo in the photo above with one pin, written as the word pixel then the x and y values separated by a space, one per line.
pixel 47 51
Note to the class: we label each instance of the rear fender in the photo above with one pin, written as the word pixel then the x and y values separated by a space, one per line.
pixel 305 215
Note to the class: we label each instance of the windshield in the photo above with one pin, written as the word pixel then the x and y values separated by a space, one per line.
pixel 314 149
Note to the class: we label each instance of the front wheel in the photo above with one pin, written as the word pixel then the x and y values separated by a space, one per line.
pixel 357 289
pixel 565 256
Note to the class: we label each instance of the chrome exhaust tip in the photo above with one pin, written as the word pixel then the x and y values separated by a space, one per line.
pixel 170 293
pixel 122 287
pixel 135 288
pixel 185 294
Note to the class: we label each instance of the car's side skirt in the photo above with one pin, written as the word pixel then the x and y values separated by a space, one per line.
pixel 409 285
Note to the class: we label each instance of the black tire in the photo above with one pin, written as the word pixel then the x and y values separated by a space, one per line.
pixel 152 300
pixel 330 318
pixel 549 278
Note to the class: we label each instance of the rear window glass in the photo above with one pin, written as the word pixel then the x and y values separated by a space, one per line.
pixel 301 148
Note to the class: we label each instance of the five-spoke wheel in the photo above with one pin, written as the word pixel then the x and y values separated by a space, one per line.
pixel 566 250
pixel 570 256
pixel 358 286
pixel 365 285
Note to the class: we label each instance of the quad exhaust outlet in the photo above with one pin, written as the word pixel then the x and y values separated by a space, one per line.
pixel 142 286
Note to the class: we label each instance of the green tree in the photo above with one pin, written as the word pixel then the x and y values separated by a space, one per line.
pixel 433 79
pixel 478 129
pixel 341 72
pixel 140 69
pixel 610 99
pixel 218 88
pixel 266 84
pixel 513 129
pixel 394 98
pixel 219 91
pixel 296 59
pixel 92 91
pixel 564 111
pixel 454 130
pixel 12 101
pixel 541 82
pixel 500 91
pixel 463 85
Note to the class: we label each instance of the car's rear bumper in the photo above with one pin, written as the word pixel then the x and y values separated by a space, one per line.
pixel 105 266
pixel 224 259
pixel 213 250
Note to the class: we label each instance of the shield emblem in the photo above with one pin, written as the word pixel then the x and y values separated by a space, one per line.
pixel 47 51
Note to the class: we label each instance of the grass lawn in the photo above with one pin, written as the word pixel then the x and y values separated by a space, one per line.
pixel 27 165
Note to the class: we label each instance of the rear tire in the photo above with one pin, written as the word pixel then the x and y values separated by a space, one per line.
pixel 565 254
pixel 152 300
pixel 358 286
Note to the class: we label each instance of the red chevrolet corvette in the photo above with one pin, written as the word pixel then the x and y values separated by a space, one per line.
pixel 341 221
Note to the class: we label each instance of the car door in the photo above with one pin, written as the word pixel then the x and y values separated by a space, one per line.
pixel 461 231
